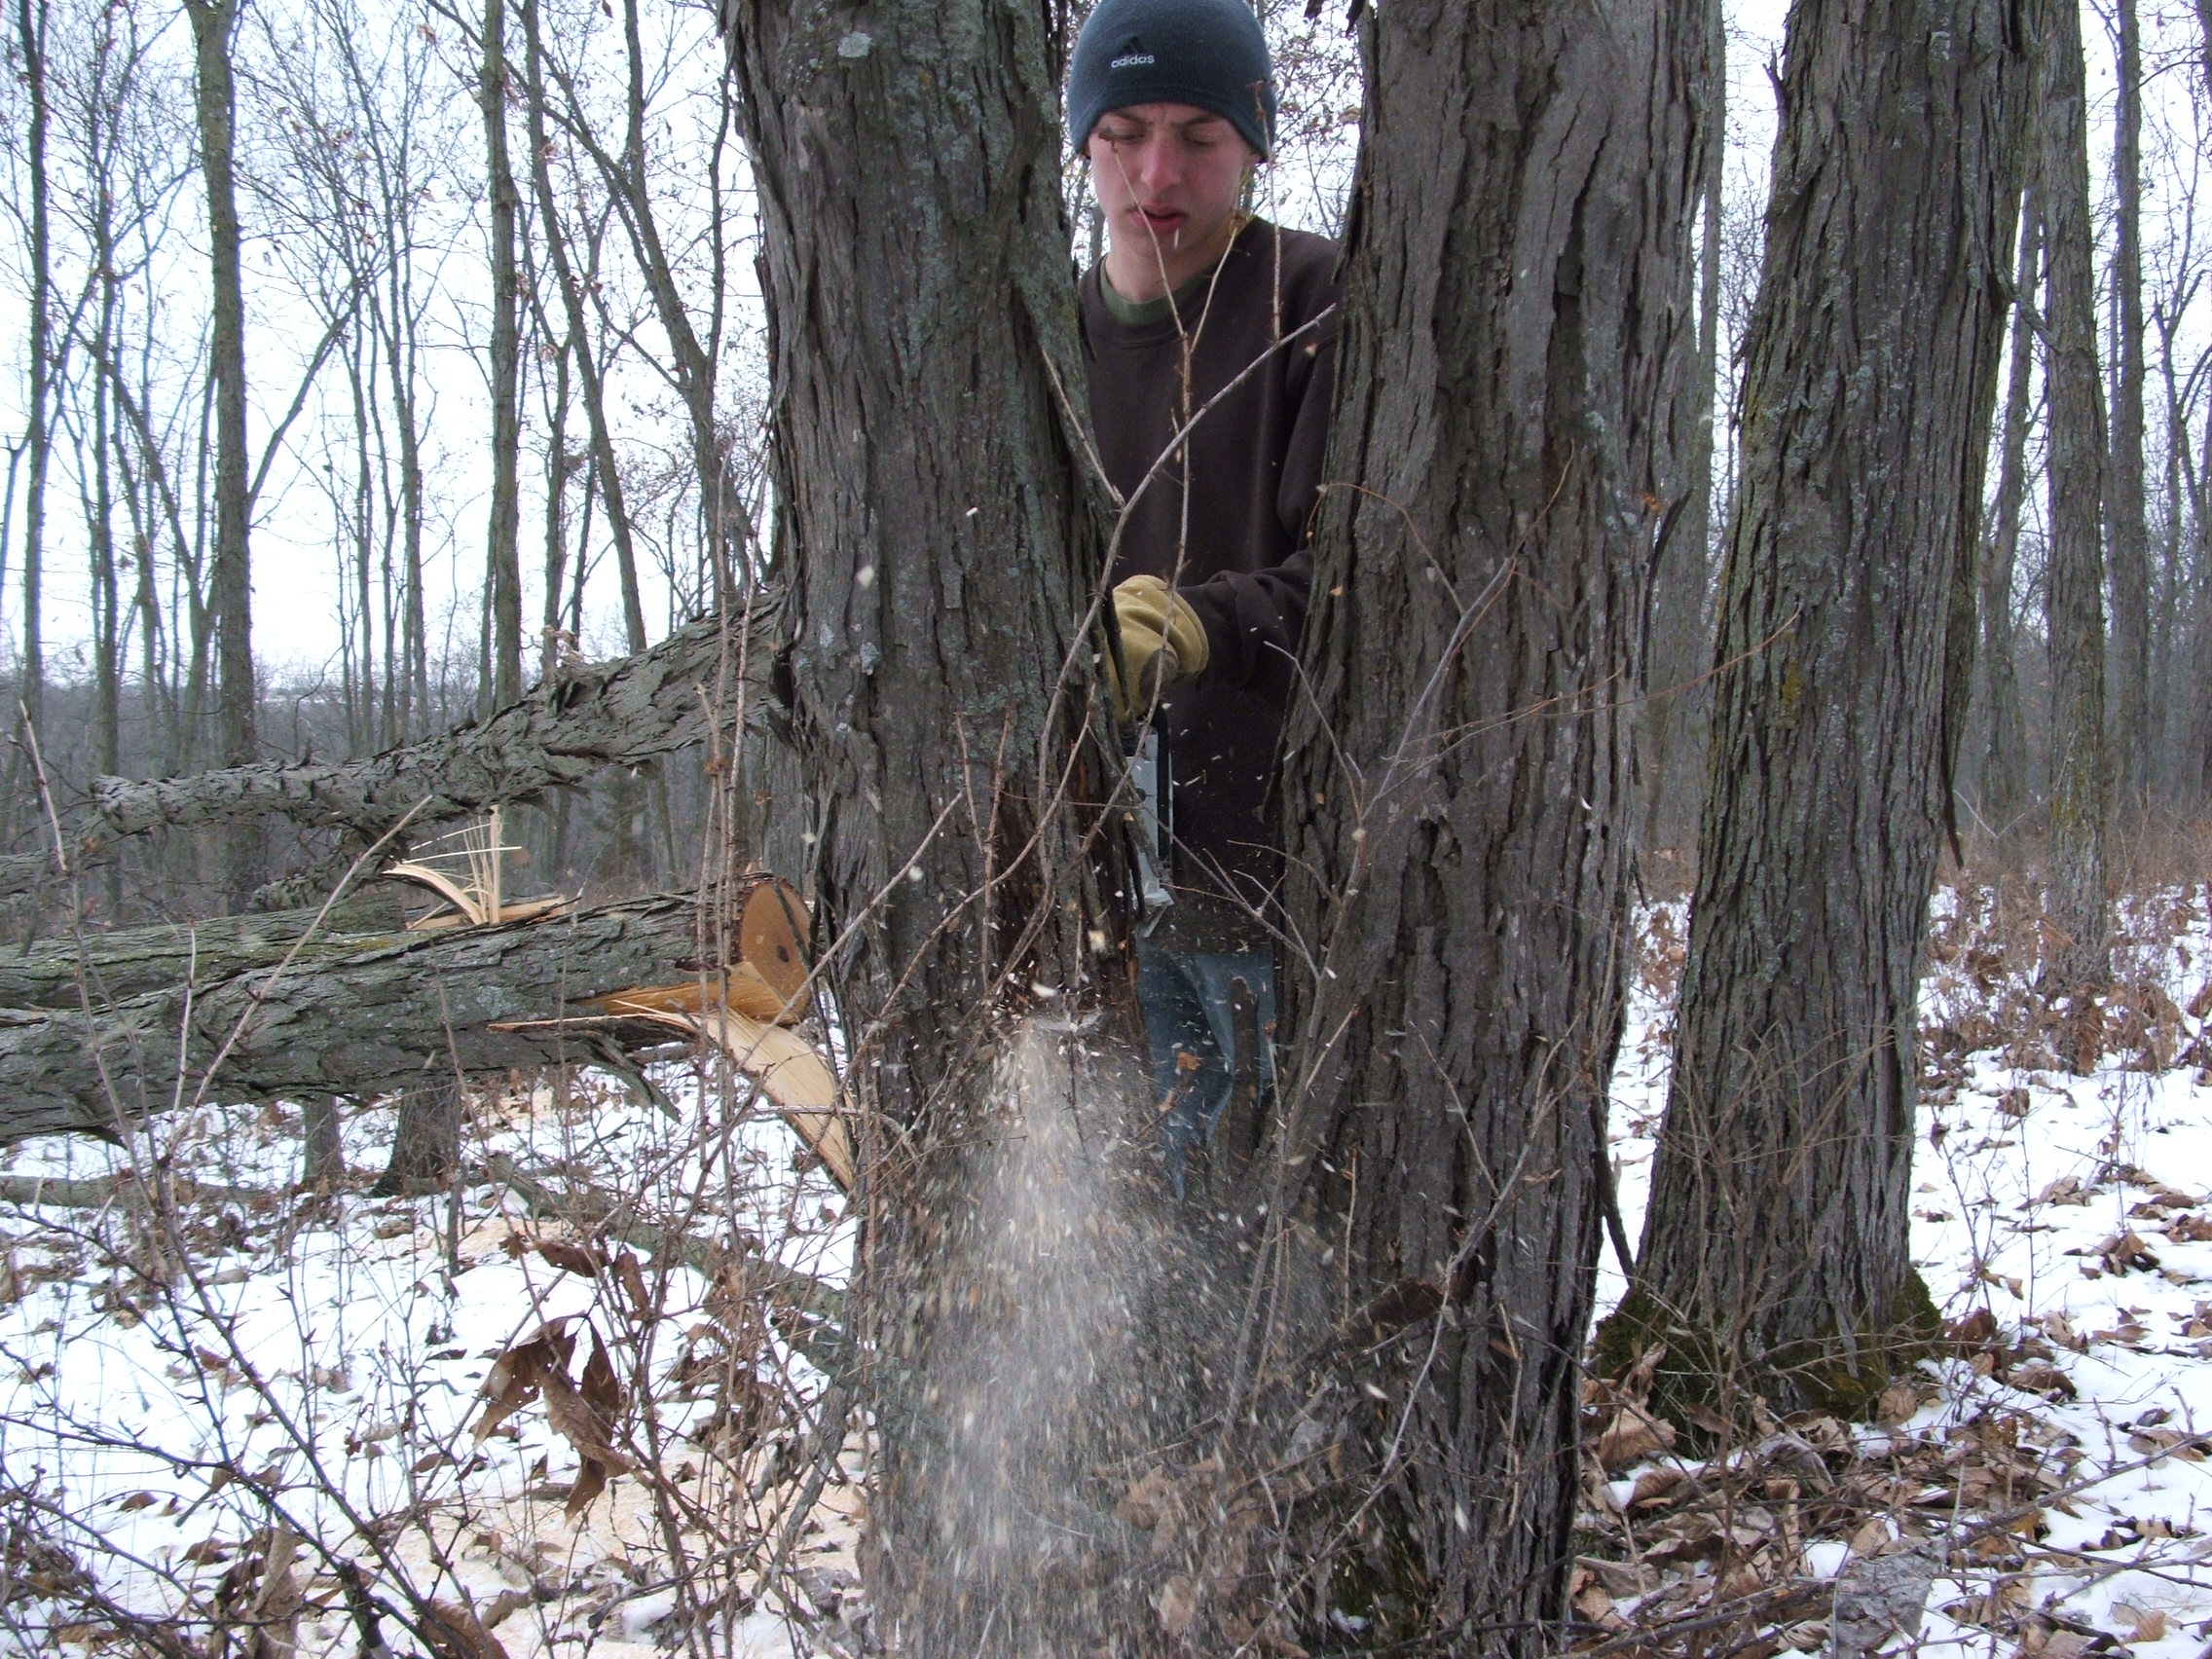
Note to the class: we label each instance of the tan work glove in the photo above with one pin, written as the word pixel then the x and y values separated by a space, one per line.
pixel 1163 640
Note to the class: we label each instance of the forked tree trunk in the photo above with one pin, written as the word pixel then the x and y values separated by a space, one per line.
pixel 1517 324
pixel 1775 1248
pixel 942 553
pixel 2073 598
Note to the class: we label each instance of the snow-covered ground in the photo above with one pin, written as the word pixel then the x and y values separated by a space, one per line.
pixel 171 1382
pixel 2064 1226
pixel 168 1387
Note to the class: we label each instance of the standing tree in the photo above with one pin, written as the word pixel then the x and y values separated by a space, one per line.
pixel 942 551
pixel 503 539
pixel 1518 323
pixel 30 44
pixel 2130 573
pixel 2004 760
pixel 1671 722
pixel 214 24
pixel 2074 582
pixel 1774 1246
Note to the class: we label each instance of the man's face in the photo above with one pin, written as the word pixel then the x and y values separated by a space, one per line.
pixel 1169 177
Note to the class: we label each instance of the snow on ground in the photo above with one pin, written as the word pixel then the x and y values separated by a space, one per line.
pixel 2064 1226
pixel 157 1381
pixel 168 1381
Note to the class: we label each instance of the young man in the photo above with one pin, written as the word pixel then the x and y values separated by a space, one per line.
pixel 1200 312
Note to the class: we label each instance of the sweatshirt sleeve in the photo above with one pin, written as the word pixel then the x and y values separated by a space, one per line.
pixel 1253 618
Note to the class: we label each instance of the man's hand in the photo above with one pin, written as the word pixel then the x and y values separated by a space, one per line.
pixel 1163 640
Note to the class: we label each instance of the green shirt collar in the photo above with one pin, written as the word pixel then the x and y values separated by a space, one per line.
pixel 1136 313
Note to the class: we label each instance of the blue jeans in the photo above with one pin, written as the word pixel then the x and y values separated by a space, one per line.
pixel 1185 996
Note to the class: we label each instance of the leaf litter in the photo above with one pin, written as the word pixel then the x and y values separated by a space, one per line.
pixel 2042 1492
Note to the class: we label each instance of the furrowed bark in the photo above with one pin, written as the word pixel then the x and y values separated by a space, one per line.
pixel 66 973
pixel 571 726
pixel 1775 1256
pixel 1518 322
pixel 393 1013
pixel 943 552
pixel 2074 584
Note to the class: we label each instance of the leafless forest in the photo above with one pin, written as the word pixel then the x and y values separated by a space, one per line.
pixel 557 811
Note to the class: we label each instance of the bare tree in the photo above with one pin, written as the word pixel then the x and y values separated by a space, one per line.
pixel 32 25
pixel 2074 585
pixel 2128 530
pixel 214 22
pixel 1774 1249
pixel 2004 760
pixel 1671 724
pixel 504 550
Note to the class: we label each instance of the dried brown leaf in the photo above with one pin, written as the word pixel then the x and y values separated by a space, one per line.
pixel 601 1390
pixel 518 1375
pixel 568 1258
pixel 455 1631
pixel 633 1281
pixel 1633 1434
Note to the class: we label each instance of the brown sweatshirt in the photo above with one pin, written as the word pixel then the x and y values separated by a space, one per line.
pixel 1226 521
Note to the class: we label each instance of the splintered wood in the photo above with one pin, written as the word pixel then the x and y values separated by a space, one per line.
pixel 742 1008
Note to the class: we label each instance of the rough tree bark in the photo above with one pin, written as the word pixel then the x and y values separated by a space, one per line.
pixel 2130 664
pixel 107 967
pixel 231 585
pixel 388 1013
pixel 1775 1247
pixel 1518 323
pixel 575 722
pixel 1671 722
pixel 2074 586
pixel 943 552
pixel 503 535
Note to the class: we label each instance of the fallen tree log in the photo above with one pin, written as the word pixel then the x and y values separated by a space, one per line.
pixel 103 967
pixel 391 1013
pixel 573 722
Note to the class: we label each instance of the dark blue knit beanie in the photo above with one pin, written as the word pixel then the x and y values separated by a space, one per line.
pixel 1209 54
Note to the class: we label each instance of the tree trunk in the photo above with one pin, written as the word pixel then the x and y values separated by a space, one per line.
pixel 2004 759
pixel 2074 587
pixel 389 1012
pixel 425 1142
pixel 581 719
pixel 102 968
pixel 1774 1257
pixel 1518 301
pixel 567 279
pixel 322 1152
pixel 1671 724
pixel 213 22
pixel 941 551
pixel 2130 573
pixel 30 29
pixel 503 539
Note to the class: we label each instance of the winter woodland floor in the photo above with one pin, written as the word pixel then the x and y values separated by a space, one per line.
pixel 434 1389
